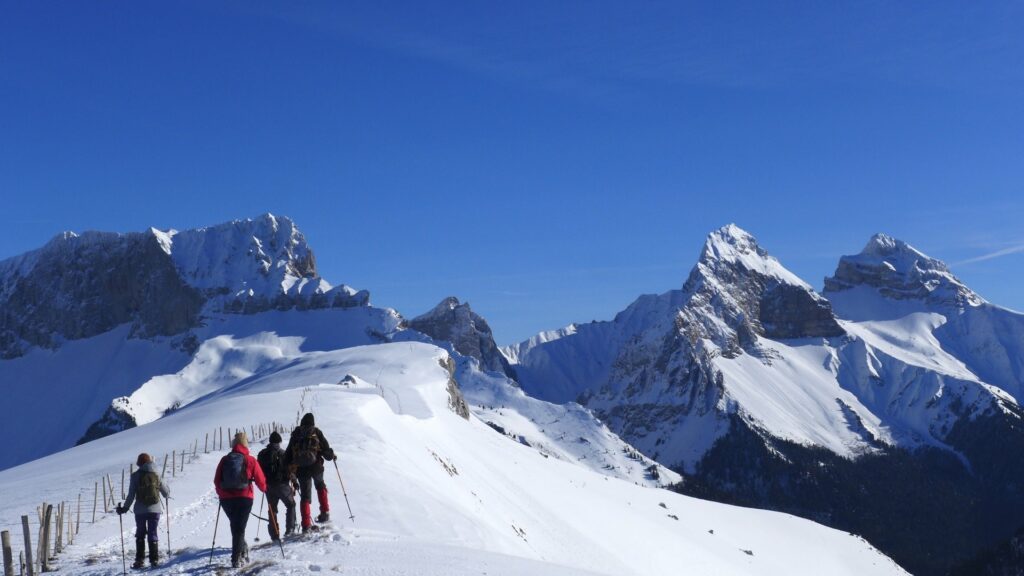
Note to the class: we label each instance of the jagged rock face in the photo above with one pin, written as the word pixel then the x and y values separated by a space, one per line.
pixel 455 322
pixel 786 312
pixel 81 286
pixel 737 290
pixel 456 400
pixel 900 272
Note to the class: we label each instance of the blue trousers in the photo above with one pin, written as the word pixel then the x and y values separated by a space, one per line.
pixel 146 525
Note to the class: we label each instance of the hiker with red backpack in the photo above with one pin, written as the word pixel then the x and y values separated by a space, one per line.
pixel 236 473
pixel 281 484
pixel 145 489
pixel 307 450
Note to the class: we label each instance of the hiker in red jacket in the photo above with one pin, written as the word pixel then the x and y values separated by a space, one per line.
pixel 234 478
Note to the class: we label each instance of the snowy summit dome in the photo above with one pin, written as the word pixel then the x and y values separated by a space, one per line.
pixel 899 271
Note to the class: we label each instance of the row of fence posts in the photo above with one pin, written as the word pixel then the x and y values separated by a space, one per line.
pixel 58 526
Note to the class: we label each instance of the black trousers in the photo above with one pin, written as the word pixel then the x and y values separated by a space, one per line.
pixel 237 511
pixel 310 475
pixel 281 493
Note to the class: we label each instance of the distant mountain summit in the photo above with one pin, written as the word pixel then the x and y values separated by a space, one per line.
pixel 898 271
pixel 159 282
pixel 455 322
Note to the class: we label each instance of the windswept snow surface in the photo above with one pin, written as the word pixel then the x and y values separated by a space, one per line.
pixel 432 493
pixel 81 377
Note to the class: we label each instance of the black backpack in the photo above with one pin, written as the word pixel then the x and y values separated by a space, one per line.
pixel 272 462
pixel 232 472
pixel 305 446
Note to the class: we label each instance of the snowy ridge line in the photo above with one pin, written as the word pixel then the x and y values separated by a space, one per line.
pixel 56 526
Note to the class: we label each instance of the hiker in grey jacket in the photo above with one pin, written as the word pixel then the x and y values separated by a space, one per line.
pixel 145 490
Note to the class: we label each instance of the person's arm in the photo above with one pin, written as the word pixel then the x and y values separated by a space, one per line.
pixel 325 448
pixel 258 477
pixel 216 475
pixel 133 483
pixel 165 489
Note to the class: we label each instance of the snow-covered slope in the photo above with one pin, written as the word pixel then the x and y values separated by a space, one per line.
pixel 746 336
pixel 432 492
pixel 91 317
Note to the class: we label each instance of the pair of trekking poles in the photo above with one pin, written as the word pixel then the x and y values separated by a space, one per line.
pixel 120 520
pixel 273 520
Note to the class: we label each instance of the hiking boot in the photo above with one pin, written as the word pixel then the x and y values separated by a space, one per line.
pixel 324 517
pixel 140 553
pixel 154 554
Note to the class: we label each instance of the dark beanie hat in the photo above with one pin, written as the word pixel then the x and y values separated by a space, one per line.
pixel 275 438
pixel 307 420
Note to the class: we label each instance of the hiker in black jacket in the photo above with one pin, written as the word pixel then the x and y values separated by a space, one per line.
pixel 145 489
pixel 279 485
pixel 307 450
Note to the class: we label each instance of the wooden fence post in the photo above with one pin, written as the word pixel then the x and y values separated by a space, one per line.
pixel 44 554
pixel 182 462
pixel 5 543
pixel 122 483
pixel 28 545
pixel 206 444
pixel 174 465
pixel 106 502
pixel 163 471
pixel 58 545
pixel 110 490
pixel 78 514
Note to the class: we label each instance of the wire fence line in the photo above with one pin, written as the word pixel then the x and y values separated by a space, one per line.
pixel 56 525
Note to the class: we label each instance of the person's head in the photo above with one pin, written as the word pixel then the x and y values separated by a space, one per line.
pixel 275 438
pixel 143 459
pixel 308 420
pixel 240 438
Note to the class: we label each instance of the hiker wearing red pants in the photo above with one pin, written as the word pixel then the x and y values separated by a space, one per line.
pixel 307 450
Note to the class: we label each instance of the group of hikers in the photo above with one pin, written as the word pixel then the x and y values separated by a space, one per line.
pixel 277 472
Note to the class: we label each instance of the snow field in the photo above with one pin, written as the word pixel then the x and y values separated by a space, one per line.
pixel 432 493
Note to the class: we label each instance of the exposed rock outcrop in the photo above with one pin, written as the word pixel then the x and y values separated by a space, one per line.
pixel 455 322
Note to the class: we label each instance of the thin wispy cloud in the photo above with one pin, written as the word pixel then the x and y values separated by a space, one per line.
pixel 1016 249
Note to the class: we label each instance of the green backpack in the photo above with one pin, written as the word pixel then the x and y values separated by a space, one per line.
pixel 149 488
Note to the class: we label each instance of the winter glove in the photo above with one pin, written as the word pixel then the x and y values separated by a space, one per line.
pixel 330 455
pixel 120 511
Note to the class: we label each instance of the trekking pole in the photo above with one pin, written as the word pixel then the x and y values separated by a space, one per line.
pixel 167 504
pixel 120 520
pixel 262 497
pixel 215 524
pixel 338 470
pixel 277 528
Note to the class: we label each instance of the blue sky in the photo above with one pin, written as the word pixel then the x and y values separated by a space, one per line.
pixel 547 162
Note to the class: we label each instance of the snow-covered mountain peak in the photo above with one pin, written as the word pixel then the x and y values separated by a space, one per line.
pixel 738 290
pixel 898 271
pixel 737 250
pixel 264 256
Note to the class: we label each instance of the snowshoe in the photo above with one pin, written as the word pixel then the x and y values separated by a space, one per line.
pixel 323 518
